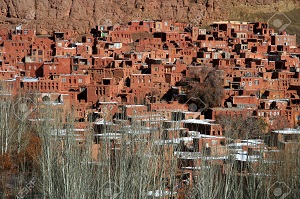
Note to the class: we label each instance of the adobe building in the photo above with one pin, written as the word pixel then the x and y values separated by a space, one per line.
pixel 141 72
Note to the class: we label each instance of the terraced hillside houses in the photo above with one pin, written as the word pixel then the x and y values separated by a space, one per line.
pixel 183 86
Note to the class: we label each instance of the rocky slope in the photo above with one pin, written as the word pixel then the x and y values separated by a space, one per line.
pixel 81 15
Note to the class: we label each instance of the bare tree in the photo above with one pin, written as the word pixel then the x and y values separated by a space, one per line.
pixel 242 127
pixel 207 85
pixel 139 162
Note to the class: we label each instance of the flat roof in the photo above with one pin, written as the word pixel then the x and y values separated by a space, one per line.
pixel 196 121
pixel 30 79
pixel 196 134
pixel 135 105
pixel 246 157
pixel 287 131
pixel 198 155
pixel 111 102
pixel 160 193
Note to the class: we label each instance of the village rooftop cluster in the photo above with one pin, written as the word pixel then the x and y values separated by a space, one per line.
pixel 129 74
